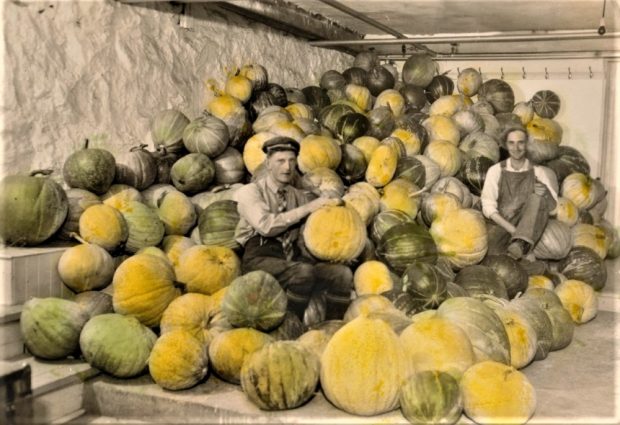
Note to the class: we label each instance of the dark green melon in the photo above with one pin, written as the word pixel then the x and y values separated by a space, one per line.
pixel 329 115
pixel 479 280
pixel 352 167
pixel 405 243
pixel 90 169
pixel 384 221
pixel 425 284
pixel 440 85
pixel 473 172
pixel 351 126
pixel 499 94
pixel 513 275
pixel 431 397
pixel 412 169
pixel 584 264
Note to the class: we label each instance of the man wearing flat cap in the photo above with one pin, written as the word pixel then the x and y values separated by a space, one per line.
pixel 272 211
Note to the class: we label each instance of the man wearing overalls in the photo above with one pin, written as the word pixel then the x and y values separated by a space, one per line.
pixel 272 211
pixel 517 197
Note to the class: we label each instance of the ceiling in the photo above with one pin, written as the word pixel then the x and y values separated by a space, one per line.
pixel 448 28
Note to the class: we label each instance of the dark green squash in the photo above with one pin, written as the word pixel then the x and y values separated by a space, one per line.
pixel 419 70
pixel 316 97
pixel 217 224
pixel 584 264
pixel 512 274
pixel 569 160
pixel 278 93
pixel 479 280
pixel 355 75
pixel 382 122
pixel 425 284
pixel 405 243
pixel 329 115
pixel 192 173
pixel 473 172
pixel 332 79
pixel 431 397
pixel 440 85
pixel 379 79
pixel 499 94
pixel 352 165
pixel 90 169
pixel 415 97
pixel 351 126
pixel 546 103
pixel 384 221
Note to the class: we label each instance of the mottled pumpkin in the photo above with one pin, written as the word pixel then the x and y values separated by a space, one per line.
pixel 494 393
pixel 144 227
pixel 229 349
pixel 335 233
pixel 143 288
pixel 89 169
pixel 177 212
pixel 431 397
pixel 85 267
pixel 206 269
pixel 469 81
pixel 402 195
pixel 178 360
pixel 51 326
pixel 372 277
pixel 318 151
pixel 104 226
pixel 363 368
pixel 117 344
pixel 446 155
pixel 460 236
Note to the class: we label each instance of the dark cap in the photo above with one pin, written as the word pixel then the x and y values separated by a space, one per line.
pixel 278 144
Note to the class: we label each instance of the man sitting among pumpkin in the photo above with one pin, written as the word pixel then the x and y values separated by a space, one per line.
pixel 272 211
pixel 518 197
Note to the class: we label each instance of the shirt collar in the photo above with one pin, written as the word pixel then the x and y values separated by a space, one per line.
pixel 526 165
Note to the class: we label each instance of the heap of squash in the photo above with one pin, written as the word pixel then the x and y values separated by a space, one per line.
pixel 437 326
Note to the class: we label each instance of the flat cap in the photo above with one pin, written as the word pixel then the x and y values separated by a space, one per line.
pixel 280 143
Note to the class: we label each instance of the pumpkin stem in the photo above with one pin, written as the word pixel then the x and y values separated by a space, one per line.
pixel 77 238
pixel 86 141
pixel 45 172
pixel 140 147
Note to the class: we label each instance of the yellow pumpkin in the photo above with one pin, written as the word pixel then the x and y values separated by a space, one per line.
pixel 318 151
pixel 434 343
pixel 175 245
pixel 367 144
pixel 144 287
pixel 177 212
pixel 382 166
pixel 300 110
pixel 579 299
pixel 411 140
pixel 440 127
pixel 287 129
pixel 540 281
pixel 495 393
pixel 461 237
pixel 402 195
pixel 366 304
pixel 436 204
pixel 591 236
pixel 253 154
pixel 582 190
pixel 363 367
pixel 229 349
pixel 206 269
pixel 521 334
pixel 449 104
pixel 224 106
pixel 239 87
pixel 366 206
pixel 103 225
pixel 544 138
pixel 392 99
pixel 119 194
pixel 194 313
pixel 372 277
pixel 359 95
pixel 446 155
pixel 178 360
pixel 153 250
pixel 335 233
pixel 566 211
pixel 270 116
pixel 86 267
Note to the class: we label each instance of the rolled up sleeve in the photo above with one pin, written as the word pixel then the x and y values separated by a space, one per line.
pixel 490 191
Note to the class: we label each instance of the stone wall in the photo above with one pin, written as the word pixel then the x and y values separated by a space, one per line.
pixel 101 69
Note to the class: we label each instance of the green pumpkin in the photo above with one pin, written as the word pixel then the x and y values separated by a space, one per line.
pixel 512 274
pixel 404 243
pixel 384 221
pixel 206 134
pixel 32 209
pixel 90 169
pixel 351 126
pixel 584 264
pixel 419 70
pixel 255 300
pixel 329 115
pixel 167 129
pixel 353 163
pixel 116 344
pixel 51 327
pixel 479 280
pixel 144 226
pixel 499 94
pixel 95 302
pixel 431 397
pixel 281 375
pixel 217 224
pixel 425 284
pixel 192 173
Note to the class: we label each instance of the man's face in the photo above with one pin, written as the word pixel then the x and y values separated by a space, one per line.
pixel 281 166
pixel 516 144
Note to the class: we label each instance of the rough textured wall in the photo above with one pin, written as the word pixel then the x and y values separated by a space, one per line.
pixel 101 69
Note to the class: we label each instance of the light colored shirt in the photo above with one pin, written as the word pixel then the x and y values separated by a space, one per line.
pixel 257 204
pixel 490 189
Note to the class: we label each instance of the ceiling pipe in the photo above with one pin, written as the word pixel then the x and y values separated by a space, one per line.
pixel 514 55
pixel 551 36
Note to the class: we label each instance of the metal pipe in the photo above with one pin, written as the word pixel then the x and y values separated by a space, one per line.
pixel 555 36
pixel 514 55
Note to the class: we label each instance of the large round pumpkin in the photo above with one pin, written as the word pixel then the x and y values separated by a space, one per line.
pixel 584 264
pixel 512 273
pixel 207 135
pixel 90 169
pixel 425 284
pixel 207 269
pixel 51 326
pixel 582 190
pixel 117 344
pixel 85 267
pixel 419 70
pixel 217 224
pixel 136 168
pixel 32 209
pixel 318 151
pixel 143 288
pixel 363 367
pixel 144 227
pixel 579 299
pixel 167 129
pixel 192 173
pixel 104 226
pixel 544 138
pixel 555 241
pixel 431 397
pixel 461 236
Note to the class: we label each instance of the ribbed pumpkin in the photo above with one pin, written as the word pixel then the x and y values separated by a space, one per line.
pixel 419 70
pixel 404 243
pixel 177 213
pixel 411 140
pixel 351 126
pixel 461 236
pixel 359 95
pixel 143 288
pixel 480 144
pixel 78 200
pixel 217 223
pixel 281 375
pixel 583 264
pixel 207 269
pixel 431 397
pixel 385 220
pixel 524 111
pixel 85 267
pixel 89 169
pixel 379 79
pixel 323 181
pixel 402 195
pixel 117 344
pixel 512 273
pixel 32 209
pixel 144 227
pixel 494 393
pixel 178 360
pixel 545 103
pixel 579 299
pixel 566 211
pixel 446 155
pixel 206 134
pixel 437 204
pixel 136 168
pixel 372 277
pixel 468 122
pixel 255 300
pixel 192 173
pixel 433 343
pixel 51 326
pixel 363 368
pixel 120 194
pixel 441 127
pixel 499 94
pixel 95 302
pixel 473 172
pixel 479 280
pixel 332 79
pixel 582 190
pixel 555 241
pixel 468 82
pixel 381 166
pixel 229 349
pixel 318 151
pixel 335 233
pixel 483 327
pixel 253 154
pixel 104 226
pixel 167 129
pixel 440 85
pixel 194 313
pixel 353 163
pixel 382 122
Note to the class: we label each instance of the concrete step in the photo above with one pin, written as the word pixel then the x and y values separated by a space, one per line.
pixel 573 385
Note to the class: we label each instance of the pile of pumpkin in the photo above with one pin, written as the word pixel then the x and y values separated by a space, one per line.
pixel 436 326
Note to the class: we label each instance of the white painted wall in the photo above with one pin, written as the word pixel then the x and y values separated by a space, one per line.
pixel 100 69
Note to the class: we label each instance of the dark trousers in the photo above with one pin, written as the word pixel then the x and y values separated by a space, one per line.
pixel 301 277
